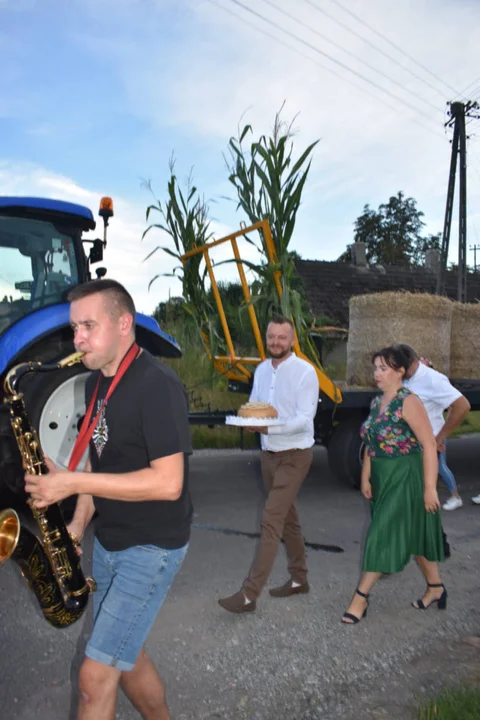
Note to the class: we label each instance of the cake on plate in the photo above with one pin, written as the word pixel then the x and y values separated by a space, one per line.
pixel 257 410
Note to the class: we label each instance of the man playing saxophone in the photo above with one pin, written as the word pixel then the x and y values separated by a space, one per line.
pixel 136 485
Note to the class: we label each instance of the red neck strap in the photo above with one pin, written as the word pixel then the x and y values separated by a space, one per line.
pixel 89 425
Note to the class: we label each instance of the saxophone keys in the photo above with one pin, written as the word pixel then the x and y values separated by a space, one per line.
pixel 62 567
pixel 53 535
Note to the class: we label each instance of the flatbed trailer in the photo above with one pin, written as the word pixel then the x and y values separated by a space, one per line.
pixel 341 409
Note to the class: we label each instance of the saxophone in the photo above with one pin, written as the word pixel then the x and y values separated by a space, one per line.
pixel 51 565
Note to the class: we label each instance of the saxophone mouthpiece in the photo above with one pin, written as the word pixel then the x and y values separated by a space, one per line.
pixel 70 360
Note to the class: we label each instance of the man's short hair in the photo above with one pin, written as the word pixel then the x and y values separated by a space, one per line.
pixel 118 299
pixel 407 350
pixel 280 320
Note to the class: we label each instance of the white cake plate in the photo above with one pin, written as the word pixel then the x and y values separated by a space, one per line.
pixel 253 422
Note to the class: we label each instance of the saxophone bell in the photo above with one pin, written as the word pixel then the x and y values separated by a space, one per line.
pixel 9 534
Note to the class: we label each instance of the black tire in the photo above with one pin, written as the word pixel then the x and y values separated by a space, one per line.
pixel 344 451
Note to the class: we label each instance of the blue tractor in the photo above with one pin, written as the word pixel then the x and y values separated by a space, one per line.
pixel 43 253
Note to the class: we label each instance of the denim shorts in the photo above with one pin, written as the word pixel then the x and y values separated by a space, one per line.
pixel 131 587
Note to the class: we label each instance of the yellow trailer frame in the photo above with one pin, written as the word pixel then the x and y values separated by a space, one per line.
pixel 232 365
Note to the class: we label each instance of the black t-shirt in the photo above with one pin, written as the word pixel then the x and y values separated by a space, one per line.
pixel 145 418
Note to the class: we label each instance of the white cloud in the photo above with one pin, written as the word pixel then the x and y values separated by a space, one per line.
pixel 125 252
pixel 202 82
pixel 189 71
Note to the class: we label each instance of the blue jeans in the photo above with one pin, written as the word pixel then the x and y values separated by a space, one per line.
pixel 131 587
pixel 445 472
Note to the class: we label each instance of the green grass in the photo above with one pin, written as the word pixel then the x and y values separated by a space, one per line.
pixel 471 424
pixel 462 703
pixel 208 391
pixel 221 437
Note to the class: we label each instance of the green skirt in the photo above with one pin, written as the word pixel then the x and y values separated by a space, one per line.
pixel 400 527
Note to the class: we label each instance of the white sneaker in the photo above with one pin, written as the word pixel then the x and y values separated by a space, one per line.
pixel 476 499
pixel 454 503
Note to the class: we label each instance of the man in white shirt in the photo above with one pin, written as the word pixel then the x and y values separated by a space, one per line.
pixel 437 394
pixel 290 384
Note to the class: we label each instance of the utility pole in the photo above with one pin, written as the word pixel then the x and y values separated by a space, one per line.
pixel 458 112
pixel 475 248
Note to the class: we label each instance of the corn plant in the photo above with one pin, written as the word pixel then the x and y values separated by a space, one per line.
pixel 184 217
pixel 269 185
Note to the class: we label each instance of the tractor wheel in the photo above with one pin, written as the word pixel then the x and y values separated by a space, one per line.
pixel 55 403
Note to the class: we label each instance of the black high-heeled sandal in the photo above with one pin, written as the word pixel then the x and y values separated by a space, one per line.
pixel 441 601
pixel 354 618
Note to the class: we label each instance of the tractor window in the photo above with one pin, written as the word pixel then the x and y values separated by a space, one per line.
pixel 37 266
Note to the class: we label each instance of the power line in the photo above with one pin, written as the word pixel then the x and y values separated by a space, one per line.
pixel 394 45
pixel 319 64
pixel 296 50
pixel 358 59
pixel 472 84
pixel 375 47
pixel 332 59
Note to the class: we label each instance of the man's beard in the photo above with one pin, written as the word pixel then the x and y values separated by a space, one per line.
pixel 279 354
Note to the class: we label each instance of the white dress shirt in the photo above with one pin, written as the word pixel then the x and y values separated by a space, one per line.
pixel 292 388
pixel 435 391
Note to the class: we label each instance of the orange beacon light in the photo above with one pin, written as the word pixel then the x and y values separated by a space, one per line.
pixel 106 208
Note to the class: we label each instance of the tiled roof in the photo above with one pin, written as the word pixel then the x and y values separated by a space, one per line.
pixel 330 285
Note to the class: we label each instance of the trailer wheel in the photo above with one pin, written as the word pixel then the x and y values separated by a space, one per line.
pixel 345 450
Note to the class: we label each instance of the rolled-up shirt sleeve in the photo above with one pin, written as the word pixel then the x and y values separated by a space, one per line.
pixel 305 407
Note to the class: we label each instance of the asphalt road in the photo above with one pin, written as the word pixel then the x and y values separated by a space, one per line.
pixel 291 659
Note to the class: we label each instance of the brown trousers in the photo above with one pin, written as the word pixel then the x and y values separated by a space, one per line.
pixel 283 474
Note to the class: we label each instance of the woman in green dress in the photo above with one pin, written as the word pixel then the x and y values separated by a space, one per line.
pixel 399 477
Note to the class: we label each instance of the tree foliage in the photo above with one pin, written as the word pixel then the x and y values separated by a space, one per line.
pixel 174 316
pixel 393 233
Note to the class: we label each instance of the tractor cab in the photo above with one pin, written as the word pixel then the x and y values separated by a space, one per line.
pixel 42 253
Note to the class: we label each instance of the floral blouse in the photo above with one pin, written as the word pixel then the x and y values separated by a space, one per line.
pixel 387 434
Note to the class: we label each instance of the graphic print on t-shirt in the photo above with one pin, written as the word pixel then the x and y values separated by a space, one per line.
pixel 100 434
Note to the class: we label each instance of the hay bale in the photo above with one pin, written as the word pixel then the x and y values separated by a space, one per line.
pixel 380 319
pixel 465 343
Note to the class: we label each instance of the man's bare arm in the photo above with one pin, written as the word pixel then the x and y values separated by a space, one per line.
pixel 457 413
pixel 162 480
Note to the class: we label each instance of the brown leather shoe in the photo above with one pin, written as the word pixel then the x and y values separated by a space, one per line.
pixel 287 590
pixel 236 603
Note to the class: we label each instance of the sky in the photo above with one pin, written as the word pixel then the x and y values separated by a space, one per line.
pixel 96 96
